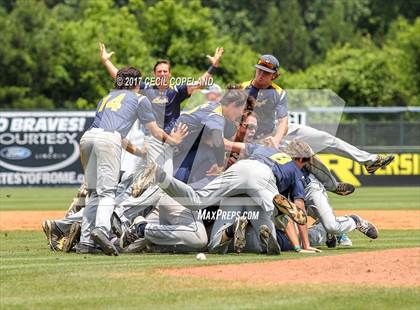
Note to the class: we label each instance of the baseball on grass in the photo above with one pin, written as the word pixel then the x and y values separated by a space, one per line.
pixel 201 256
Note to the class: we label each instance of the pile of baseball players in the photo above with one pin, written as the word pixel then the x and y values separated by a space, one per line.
pixel 230 175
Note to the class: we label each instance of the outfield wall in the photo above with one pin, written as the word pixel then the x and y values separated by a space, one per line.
pixel 41 149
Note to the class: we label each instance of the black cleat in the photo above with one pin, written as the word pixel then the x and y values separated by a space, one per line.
pixel 365 227
pixel 104 243
pixel 381 162
pixel 86 249
pixel 268 243
pixel 331 241
pixel 344 189
pixel 116 225
pixel 131 234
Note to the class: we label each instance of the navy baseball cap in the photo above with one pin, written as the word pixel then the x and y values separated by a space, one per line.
pixel 268 63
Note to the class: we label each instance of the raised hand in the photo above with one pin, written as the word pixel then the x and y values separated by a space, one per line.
pixel 103 53
pixel 179 133
pixel 215 59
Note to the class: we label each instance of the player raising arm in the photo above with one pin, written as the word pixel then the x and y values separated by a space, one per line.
pixel 162 73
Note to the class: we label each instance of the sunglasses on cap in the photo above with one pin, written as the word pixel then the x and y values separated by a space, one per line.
pixel 267 64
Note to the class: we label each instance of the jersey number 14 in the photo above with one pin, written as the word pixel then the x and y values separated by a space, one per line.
pixel 113 104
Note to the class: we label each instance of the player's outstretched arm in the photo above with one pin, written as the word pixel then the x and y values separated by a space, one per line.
pixel 177 135
pixel 303 229
pixel 215 63
pixel 281 131
pixel 106 60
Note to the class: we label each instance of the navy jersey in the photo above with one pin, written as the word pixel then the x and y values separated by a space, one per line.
pixel 120 109
pixel 271 105
pixel 289 178
pixel 192 157
pixel 166 104
pixel 206 116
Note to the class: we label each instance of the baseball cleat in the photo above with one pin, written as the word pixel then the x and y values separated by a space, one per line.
pixel 132 233
pixel 104 243
pixel 116 225
pixel 285 206
pixel 269 244
pixel 344 189
pixel 53 234
pixel 365 227
pixel 86 249
pixel 239 240
pixel 331 241
pixel 145 179
pixel 72 238
pixel 381 162
pixel 344 240
pixel 137 246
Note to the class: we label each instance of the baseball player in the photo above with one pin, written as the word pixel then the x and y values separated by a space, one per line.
pixel 206 125
pixel 101 152
pixel 271 106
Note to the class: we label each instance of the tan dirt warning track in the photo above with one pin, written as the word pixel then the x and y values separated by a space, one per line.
pixel 390 268
pixel 31 220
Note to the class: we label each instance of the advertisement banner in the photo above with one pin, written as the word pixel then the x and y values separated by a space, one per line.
pixel 41 148
pixel 403 171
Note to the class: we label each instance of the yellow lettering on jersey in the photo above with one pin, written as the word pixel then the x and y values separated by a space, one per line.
pixel 115 103
pixel 281 158
pixel 104 100
pixel 218 110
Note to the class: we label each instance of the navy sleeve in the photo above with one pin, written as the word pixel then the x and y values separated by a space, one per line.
pixel 298 191
pixel 144 111
pixel 182 92
pixel 281 105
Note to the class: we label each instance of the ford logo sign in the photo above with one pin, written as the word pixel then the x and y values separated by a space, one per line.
pixel 15 152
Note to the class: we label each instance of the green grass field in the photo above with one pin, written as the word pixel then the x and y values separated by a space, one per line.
pixel 369 198
pixel 32 277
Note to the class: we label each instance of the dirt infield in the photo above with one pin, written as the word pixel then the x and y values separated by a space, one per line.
pixel 391 268
pixel 31 220
pixel 26 220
